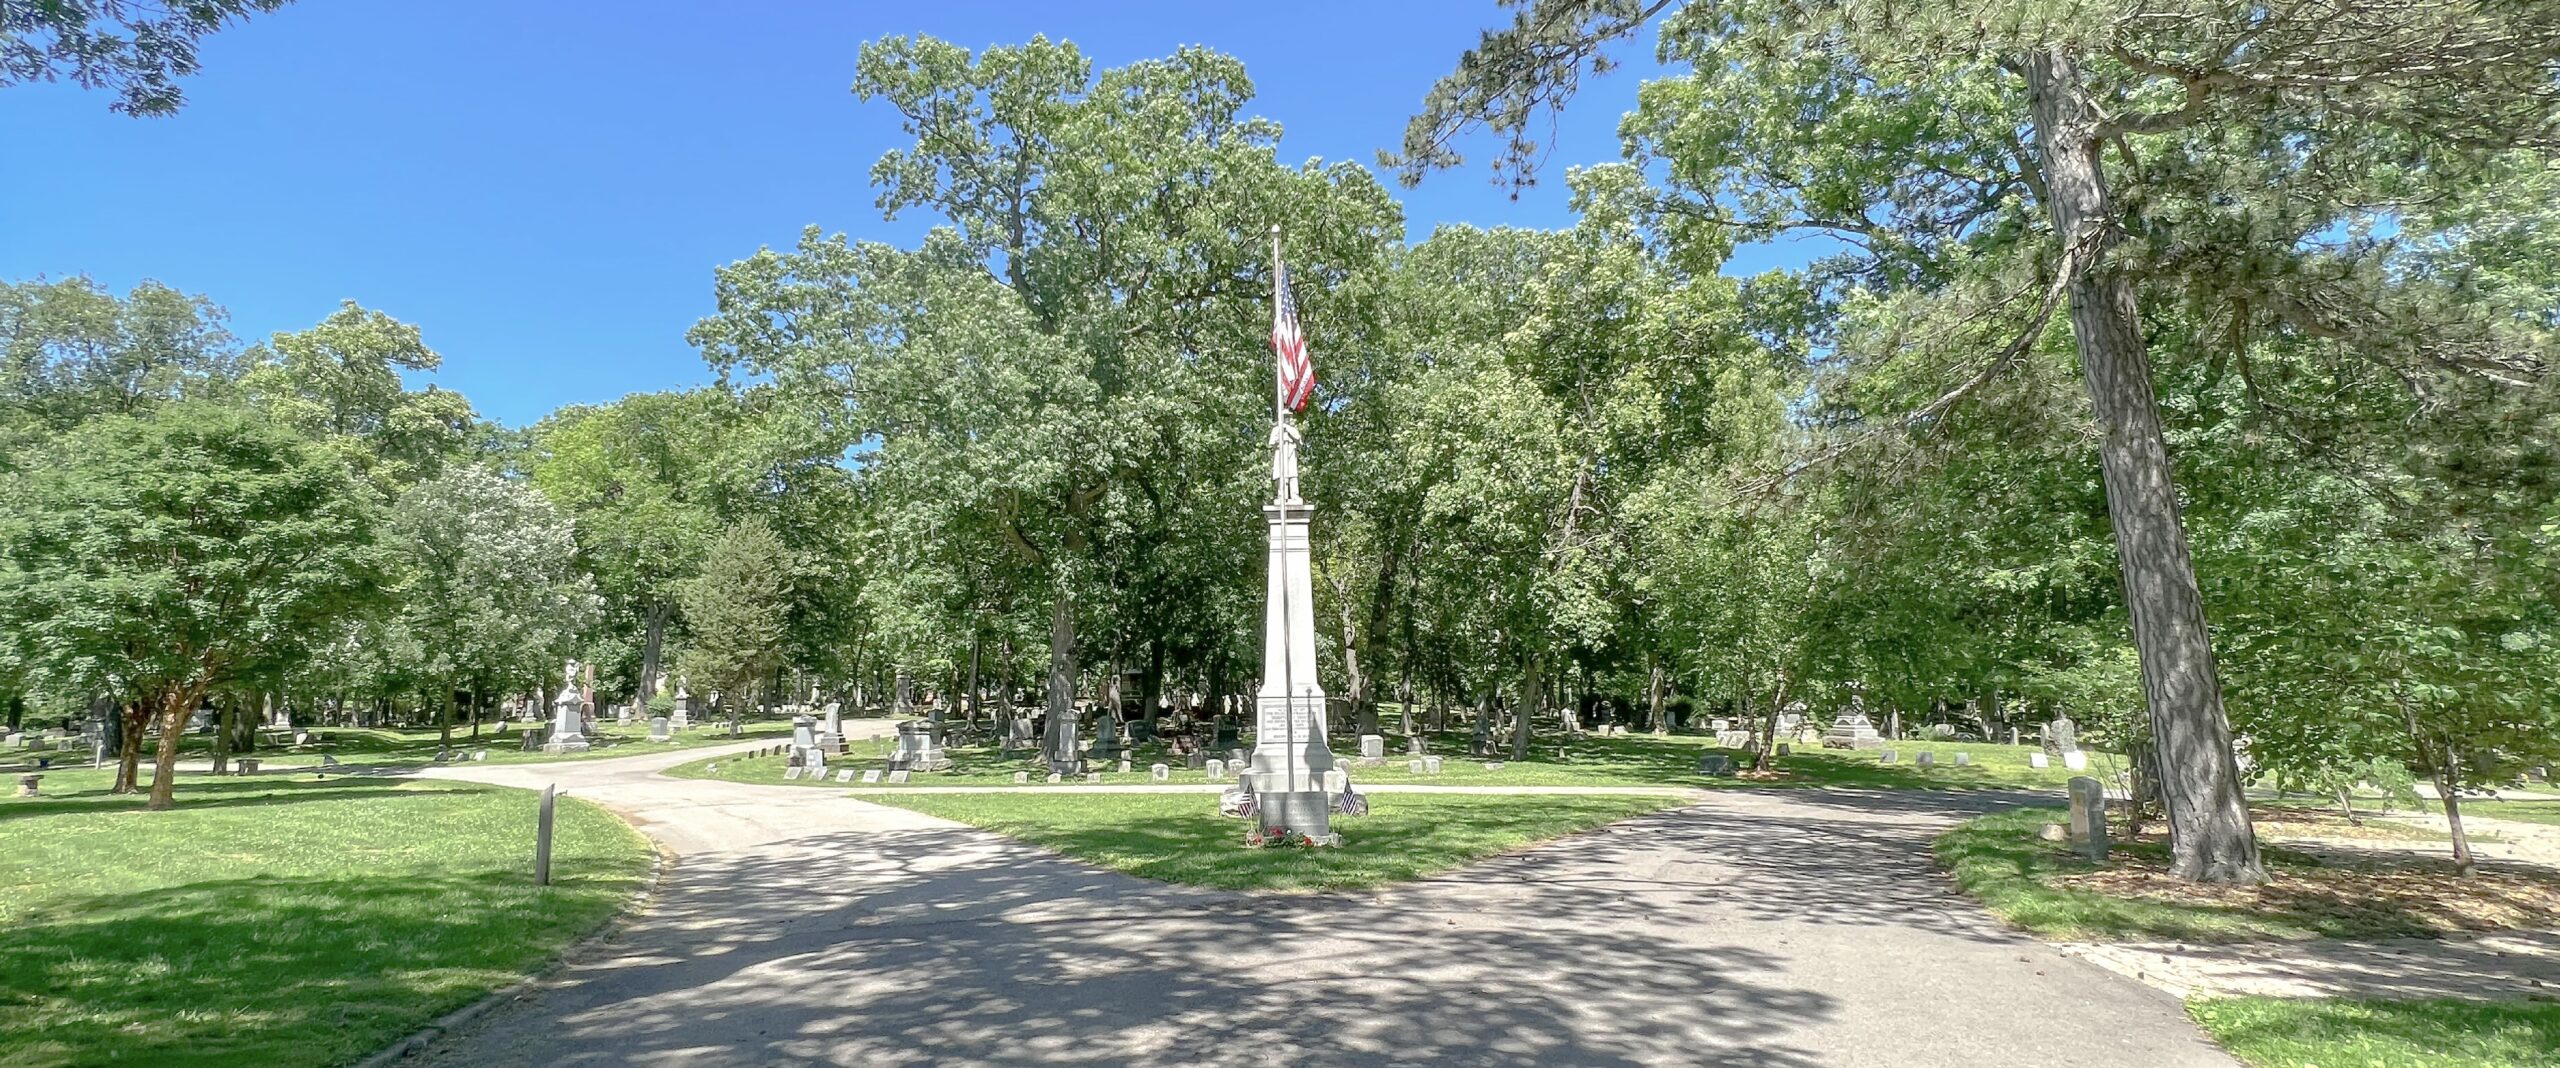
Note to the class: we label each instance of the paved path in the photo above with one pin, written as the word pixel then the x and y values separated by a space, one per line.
pixel 1759 928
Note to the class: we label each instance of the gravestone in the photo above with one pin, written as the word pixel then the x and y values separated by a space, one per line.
pixel 1720 724
pixel 844 775
pixel 917 749
pixel 476 754
pixel 1217 771
pixel 1963 759
pixel 792 772
pixel 1925 759
pixel 1021 778
pixel 661 729
pixel 1786 750
pixel 1431 765
pixel 1413 767
pixel 1196 759
pixel 1055 778
pixel 2038 760
pixel 1885 757
pixel 898 775
pixel 568 726
pixel 1852 730
pixel 1159 772
pixel 1235 757
pixel 2075 760
pixel 1730 739
pixel 2089 818
pixel 1716 765
pixel 1124 765
pixel 2061 736
pixel 248 765
pixel 1093 776
pixel 815 759
pixel 1373 750
pixel 871 775
pixel 27 785
pixel 1493 765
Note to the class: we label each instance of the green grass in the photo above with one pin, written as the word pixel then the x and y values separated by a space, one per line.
pixel 2289 1033
pixel 1635 760
pixel 1999 860
pixel 276 921
pixel 2523 811
pixel 408 747
pixel 1180 838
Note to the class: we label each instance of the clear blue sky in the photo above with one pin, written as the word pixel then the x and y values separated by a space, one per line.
pixel 545 188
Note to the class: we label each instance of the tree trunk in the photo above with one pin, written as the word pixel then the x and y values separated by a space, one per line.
pixel 2211 839
pixel 444 715
pixel 1532 683
pixel 229 707
pixel 1060 740
pixel 1767 758
pixel 975 697
pixel 164 770
pixel 1151 687
pixel 136 718
pixel 1656 679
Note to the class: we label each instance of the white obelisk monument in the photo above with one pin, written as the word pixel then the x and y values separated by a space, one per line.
pixel 1290 757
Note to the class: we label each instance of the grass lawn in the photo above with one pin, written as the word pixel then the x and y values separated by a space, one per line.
pixel 1180 838
pixel 381 746
pixel 1635 760
pixel 2324 1033
pixel 279 921
pixel 2042 887
pixel 2525 811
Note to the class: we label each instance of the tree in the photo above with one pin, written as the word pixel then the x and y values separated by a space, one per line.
pixel 1077 339
pixel 489 585
pixel 71 351
pixel 1939 141
pixel 138 50
pixel 643 479
pixel 735 609
pixel 341 380
pixel 168 557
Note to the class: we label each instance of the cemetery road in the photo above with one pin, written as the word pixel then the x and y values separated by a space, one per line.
pixel 1761 928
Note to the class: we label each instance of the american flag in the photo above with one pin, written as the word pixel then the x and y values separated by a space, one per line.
pixel 1297 372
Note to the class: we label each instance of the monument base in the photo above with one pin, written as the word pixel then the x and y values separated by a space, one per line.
pixel 575 743
pixel 1307 812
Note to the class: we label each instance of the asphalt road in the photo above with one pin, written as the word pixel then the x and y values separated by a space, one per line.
pixel 1773 928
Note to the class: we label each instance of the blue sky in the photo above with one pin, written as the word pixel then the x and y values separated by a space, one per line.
pixel 545 188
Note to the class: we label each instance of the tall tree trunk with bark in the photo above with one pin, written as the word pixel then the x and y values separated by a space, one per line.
pixel 1656 680
pixel 1059 743
pixel 135 718
pixel 1533 680
pixel 173 728
pixel 2211 839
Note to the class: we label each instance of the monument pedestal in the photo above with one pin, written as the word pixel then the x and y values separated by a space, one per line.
pixel 568 728
pixel 1290 756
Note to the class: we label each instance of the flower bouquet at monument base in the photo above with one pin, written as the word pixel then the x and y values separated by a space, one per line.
pixel 1261 837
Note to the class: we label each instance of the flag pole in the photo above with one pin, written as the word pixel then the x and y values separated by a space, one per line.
pixel 1279 403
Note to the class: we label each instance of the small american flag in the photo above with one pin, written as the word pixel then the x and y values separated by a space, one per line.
pixel 1297 372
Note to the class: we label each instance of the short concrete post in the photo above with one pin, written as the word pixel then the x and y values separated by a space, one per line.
pixel 542 837
pixel 2089 818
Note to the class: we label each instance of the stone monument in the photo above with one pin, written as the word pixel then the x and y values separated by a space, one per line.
pixel 1851 729
pixel 568 724
pixel 1290 756
pixel 684 707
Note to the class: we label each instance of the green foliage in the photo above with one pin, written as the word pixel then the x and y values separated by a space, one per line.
pixel 137 51
pixel 736 604
pixel 201 547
